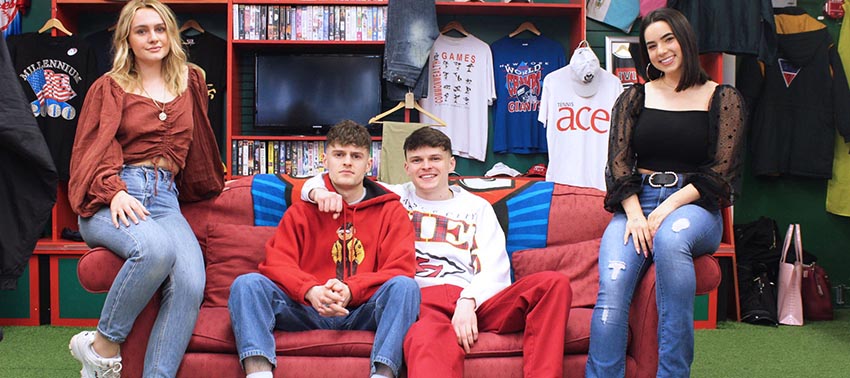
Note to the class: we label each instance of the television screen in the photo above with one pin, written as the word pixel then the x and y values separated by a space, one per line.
pixel 308 93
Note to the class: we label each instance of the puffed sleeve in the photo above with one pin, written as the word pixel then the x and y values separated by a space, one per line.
pixel 621 177
pixel 718 180
pixel 96 157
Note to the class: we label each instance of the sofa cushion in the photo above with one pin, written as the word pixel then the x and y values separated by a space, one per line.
pixel 231 250
pixel 578 261
pixel 577 214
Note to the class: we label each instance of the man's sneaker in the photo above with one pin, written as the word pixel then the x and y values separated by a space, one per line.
pixel 94 366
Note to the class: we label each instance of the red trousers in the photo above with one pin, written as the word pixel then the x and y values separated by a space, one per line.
pixel 539 304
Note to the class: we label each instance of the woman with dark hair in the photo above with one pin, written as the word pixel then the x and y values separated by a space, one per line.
pixel 673 163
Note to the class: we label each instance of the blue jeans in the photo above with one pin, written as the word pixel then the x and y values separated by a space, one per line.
pixel 411 32
pixel 688 232
pixel 160 252
pixel 258 306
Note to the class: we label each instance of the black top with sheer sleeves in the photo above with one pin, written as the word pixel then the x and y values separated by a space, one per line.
pixel 718 181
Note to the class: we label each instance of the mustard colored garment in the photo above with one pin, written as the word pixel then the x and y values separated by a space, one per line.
pixel 391 170
pixel 838 188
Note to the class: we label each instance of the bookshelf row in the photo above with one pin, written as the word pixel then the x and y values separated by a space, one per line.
pixel 297 158
pixel 309 22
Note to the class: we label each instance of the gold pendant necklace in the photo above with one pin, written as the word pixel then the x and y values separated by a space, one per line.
pixel 162 115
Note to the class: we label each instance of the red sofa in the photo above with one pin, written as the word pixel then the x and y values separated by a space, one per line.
pixel 233 245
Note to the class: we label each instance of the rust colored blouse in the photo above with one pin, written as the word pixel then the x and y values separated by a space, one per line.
pixel 117 128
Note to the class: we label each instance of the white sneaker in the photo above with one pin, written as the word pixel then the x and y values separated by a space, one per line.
pixel 94 366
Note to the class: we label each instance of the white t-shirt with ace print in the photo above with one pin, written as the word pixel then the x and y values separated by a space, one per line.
pixel 577 128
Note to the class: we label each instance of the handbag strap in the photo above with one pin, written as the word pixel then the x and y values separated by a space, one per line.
pixel 798 243
pixel 789 235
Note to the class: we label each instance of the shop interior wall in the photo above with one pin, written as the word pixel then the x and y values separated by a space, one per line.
pixel 785 199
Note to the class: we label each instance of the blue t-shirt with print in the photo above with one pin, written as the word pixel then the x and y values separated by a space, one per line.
pixel 520 64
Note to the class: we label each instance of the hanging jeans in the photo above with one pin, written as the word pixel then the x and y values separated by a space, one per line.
pixel 688 232
pixel 161 252
pixel 411 31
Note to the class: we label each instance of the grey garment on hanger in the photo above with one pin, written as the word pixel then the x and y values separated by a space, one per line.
pixel 411 31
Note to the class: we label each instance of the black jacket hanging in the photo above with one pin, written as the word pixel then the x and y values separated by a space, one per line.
pixel 27 177
pixel 799 100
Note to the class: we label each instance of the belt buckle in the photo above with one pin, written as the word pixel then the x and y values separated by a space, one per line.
pixel 666 185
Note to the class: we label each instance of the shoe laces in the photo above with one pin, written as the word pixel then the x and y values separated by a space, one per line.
pixel 113 371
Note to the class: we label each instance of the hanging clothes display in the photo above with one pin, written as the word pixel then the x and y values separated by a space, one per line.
pixel 460 90
pixel 576 111
pixel 55 73
pixel 520 65
pixel 838 187
pixel 620 14
pixel 800 99
pixel 391 170
pixel 28 187
pixel 731 26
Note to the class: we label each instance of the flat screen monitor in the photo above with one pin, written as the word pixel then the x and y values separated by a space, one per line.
pixel 305 94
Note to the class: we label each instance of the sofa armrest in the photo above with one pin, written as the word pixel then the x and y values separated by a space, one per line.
pixel 97 269
pixel 643 314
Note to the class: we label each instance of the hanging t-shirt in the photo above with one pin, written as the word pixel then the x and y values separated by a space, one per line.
pixel 460 90
pixel 838 187
pixel 207 51
pixel 101 43
pixel 520 66
pixel 391 169
pixel 577 128
pixel 624 68
pixel 55 73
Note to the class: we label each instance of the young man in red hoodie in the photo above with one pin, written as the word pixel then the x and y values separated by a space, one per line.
pixel 326 272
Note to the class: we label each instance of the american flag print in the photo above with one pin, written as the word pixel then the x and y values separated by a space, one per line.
pixel 53 90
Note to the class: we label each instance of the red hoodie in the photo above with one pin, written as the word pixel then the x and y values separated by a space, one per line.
pixel 306 250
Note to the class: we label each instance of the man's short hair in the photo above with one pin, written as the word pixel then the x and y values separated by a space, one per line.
pixel 349 133
pixel 427 137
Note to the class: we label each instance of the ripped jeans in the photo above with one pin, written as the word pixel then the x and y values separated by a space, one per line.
pixel 688 232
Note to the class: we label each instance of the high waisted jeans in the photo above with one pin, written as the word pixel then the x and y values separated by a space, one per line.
pixel 160 252
pixel 258 306
pixel 688 232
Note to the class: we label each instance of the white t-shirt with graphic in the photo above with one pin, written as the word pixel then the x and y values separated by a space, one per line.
pixel 577 128
pixel 461 88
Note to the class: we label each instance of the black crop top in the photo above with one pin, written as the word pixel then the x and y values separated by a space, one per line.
pixel 666 140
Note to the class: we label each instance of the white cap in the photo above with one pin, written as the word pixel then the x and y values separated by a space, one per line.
pixel 584 67
pixel 500 169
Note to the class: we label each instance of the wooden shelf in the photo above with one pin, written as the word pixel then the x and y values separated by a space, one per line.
pixel 304 43
pixel 511 9
pixel 286 137
pixel 310 2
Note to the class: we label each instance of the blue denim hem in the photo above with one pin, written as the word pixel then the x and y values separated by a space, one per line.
pixel 110 338
pixel 253 353
pixel 385 361
pixel 400 73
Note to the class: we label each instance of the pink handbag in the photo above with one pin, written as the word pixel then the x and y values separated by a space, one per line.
pixel 790 303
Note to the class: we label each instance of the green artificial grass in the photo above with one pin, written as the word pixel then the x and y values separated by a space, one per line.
pixel 818 349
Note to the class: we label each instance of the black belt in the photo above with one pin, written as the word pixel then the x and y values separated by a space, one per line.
pixel 661 179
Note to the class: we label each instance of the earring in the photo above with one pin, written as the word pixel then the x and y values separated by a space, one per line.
pixel 647 72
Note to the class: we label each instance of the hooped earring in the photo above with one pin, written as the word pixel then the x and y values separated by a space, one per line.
pixel 647 73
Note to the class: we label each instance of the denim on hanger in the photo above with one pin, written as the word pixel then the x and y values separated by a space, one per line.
pixel 411 31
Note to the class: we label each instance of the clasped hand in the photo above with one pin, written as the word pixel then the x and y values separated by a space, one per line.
pixel 330 299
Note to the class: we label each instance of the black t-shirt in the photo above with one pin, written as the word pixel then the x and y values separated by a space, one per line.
pixel 210 53
pixel 55 73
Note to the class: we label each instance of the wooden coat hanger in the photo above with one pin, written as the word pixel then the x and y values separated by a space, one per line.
pixel 456 26
pixel 525 26
pixel 192 24
pixel 54 23
pixel 408 103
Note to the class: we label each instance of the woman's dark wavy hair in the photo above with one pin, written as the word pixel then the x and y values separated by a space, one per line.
pixel 692 73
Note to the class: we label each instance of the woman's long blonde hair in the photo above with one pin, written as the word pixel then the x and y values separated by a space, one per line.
pixel 124 62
